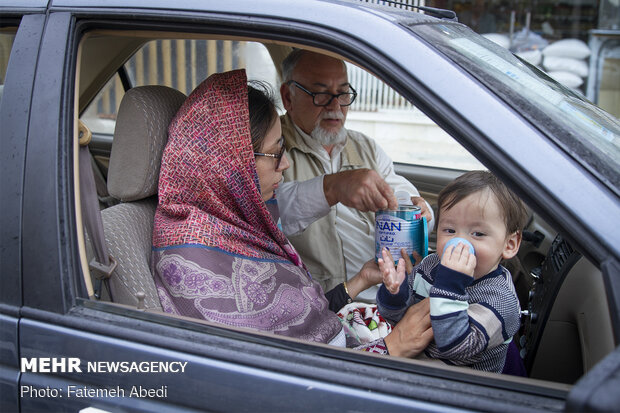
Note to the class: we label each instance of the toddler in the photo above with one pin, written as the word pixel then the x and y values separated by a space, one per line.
pixel 474 308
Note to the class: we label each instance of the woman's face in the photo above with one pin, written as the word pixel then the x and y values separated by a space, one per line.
pixel 268 176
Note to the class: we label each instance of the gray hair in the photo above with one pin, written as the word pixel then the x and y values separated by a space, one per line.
pixel 289 63
pixel 512 208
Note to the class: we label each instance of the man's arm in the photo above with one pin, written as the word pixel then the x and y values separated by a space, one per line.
pixel 301 203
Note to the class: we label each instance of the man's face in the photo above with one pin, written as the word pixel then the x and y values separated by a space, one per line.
pixel 316 73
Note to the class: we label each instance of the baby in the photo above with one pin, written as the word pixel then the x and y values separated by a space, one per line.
pixel 474 308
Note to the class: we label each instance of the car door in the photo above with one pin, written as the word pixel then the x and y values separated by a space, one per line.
pixel 226 369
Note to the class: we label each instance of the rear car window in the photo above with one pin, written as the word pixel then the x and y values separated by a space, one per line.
pixel 7 36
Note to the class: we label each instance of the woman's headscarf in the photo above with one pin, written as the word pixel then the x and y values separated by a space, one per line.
pixel 217 251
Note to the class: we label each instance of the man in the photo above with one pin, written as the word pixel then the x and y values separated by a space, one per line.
pixel 337 178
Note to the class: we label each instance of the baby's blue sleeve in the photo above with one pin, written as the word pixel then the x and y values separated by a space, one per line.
pixel 393 306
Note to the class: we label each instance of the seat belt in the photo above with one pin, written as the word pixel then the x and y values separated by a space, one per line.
pixel 102 264
pixel 101 185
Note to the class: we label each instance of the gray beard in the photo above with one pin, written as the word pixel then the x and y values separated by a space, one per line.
pixel 326 138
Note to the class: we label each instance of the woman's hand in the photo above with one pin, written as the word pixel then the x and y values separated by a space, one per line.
pixel 368 276
pixel 413 333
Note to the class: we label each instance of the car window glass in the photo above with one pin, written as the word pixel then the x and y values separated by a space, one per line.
pixel 6 43
pixel 404 132
pixel 560 111
pixel 180 64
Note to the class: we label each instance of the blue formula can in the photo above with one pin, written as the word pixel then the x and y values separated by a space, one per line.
pixel 401 228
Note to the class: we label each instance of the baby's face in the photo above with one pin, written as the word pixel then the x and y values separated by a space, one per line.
pixel 479 219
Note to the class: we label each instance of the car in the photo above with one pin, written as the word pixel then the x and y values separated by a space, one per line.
pixel 68 346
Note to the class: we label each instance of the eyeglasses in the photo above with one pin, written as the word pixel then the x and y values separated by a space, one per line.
pixel 276 156
pixel 324 98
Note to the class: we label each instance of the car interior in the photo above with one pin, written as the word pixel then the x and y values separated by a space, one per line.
pixel 566 326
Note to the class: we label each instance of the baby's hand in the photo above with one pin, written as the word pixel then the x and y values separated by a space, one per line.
pixel 459 258
pixel 392 277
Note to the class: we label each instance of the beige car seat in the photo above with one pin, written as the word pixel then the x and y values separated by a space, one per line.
pixel 140 136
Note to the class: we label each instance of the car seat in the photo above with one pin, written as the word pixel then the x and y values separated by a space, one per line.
pixel 140 136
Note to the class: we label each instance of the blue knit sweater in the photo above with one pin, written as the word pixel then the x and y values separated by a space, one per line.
pixel 473 320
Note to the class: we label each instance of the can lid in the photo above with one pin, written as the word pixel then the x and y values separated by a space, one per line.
pixel 403 198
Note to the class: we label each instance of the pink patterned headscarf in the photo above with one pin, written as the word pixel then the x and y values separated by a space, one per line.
pixel 208 185
pixel 217 251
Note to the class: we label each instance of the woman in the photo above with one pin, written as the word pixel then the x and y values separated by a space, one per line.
pixel 217 251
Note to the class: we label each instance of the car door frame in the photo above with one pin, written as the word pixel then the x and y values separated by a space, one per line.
pixel 14 116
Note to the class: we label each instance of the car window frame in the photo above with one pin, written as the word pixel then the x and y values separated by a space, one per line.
pixel 349 51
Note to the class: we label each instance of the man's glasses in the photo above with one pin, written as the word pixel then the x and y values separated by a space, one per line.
pixel 324 98
pixel 276 156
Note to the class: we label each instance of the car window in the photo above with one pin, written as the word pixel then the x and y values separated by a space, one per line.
pixel 180 64
pixel 586 132
pixel 404 132
pixel 6 43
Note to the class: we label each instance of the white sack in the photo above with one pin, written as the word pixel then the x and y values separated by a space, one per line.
pixel 574 48
pixel 499 39
pixel 566 64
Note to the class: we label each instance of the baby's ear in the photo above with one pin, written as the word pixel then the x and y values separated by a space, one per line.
pixel 512 245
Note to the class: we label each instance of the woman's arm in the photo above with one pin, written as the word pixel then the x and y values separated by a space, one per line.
pixel 345 293
pixel 368 276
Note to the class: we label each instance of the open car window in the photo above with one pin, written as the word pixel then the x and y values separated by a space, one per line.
pixel 410 138
pixel 179 64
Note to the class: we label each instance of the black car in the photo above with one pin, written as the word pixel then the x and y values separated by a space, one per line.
pixel 65 345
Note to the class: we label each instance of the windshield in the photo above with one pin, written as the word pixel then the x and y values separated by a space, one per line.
pixel 584 131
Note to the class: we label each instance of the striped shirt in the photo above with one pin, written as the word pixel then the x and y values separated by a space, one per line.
pixel 473 320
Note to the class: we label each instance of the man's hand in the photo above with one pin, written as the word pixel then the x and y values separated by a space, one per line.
pixel 362 189
pixel 413 333
pixel 424 210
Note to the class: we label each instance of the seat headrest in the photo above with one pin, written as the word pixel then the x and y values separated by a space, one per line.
pixel 140 136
